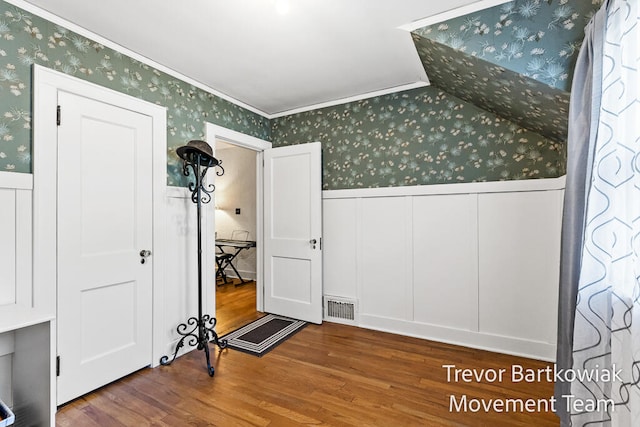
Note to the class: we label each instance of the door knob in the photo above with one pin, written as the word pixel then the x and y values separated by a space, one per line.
pixel 313 243
pixel 143 255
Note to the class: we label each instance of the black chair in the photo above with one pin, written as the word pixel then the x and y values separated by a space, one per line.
pixel 222 261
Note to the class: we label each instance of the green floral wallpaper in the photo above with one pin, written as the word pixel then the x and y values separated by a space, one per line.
pixel 496 111
pixel 515 60
pixel 536 38
pixel 497 108
pixel 523 100
pixel 417 137
pixel 27 40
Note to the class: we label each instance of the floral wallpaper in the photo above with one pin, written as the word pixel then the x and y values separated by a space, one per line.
pixel 523 100
pixel 515 59
pixel 26 39
pixel 417 137
pixel 539 39
pixel 497 108
pixel 496 111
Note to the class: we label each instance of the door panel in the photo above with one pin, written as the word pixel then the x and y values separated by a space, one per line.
pixel 291 272
pixel 290 177
pixel 293 220
pixel 104 221
pixel 117 332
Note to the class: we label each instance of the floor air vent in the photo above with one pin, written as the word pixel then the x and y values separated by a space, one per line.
pixel 340 310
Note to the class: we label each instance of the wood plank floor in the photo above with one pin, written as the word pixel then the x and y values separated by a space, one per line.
pixel 329 374
pixel 235 305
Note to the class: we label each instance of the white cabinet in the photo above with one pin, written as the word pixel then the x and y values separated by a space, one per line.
pixel 26 310
pixel 473 264
pixel 26 374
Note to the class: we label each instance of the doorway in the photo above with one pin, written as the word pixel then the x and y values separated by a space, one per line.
pixel 242 303
pixel 296 295
pixel 236 219
pixel 104 292
pixel 73 99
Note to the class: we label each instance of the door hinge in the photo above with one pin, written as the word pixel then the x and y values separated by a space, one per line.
pixel 57 366
pixel 58 116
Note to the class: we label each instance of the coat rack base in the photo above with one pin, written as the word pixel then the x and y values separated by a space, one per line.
pixel 197 332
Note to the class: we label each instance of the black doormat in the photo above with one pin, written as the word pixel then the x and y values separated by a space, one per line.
pixel 262 335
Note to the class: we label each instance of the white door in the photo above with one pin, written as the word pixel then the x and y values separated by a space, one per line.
pixel 104 220
pixel 293 231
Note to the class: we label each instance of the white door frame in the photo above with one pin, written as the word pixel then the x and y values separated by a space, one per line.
pixel 258 145
pixel 47 83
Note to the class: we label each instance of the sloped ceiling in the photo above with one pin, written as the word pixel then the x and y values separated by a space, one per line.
pixel 515 60
pixel 520 99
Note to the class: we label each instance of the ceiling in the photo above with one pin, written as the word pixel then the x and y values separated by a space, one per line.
pixel 272 56
pixel 531 104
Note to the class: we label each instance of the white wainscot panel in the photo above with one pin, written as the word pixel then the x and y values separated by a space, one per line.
pixel 471 264
pixel 20 305
pixel 339 253
pixel 181 278
pixel 385 279
pixel 519 243
pixel 445 251
pixel 7 246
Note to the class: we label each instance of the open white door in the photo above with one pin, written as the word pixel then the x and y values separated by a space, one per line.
pixel 293 232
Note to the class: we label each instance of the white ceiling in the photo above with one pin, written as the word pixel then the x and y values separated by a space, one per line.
pixel 317 52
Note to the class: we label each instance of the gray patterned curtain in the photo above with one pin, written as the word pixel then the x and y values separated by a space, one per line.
pixel 583 119
pixel 598 342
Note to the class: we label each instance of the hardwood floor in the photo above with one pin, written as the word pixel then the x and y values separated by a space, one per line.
pixel 235 306
pixel 327 374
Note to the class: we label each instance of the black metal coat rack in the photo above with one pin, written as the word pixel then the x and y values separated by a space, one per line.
pixel 198 331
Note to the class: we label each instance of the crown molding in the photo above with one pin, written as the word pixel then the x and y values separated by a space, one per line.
pixel 452 13
pixel 354 98
pixel 125 51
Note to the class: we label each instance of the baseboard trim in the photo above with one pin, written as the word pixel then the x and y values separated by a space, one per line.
pixel 482 341
pixel 246 275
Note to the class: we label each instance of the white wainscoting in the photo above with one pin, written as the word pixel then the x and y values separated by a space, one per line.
pixel 20 303
pixel 445 260
pixel 26 311
pixel 180 300
pixel 472 264
pixel 8 228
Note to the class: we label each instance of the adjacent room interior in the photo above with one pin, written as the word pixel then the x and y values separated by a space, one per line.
pixel 235 218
